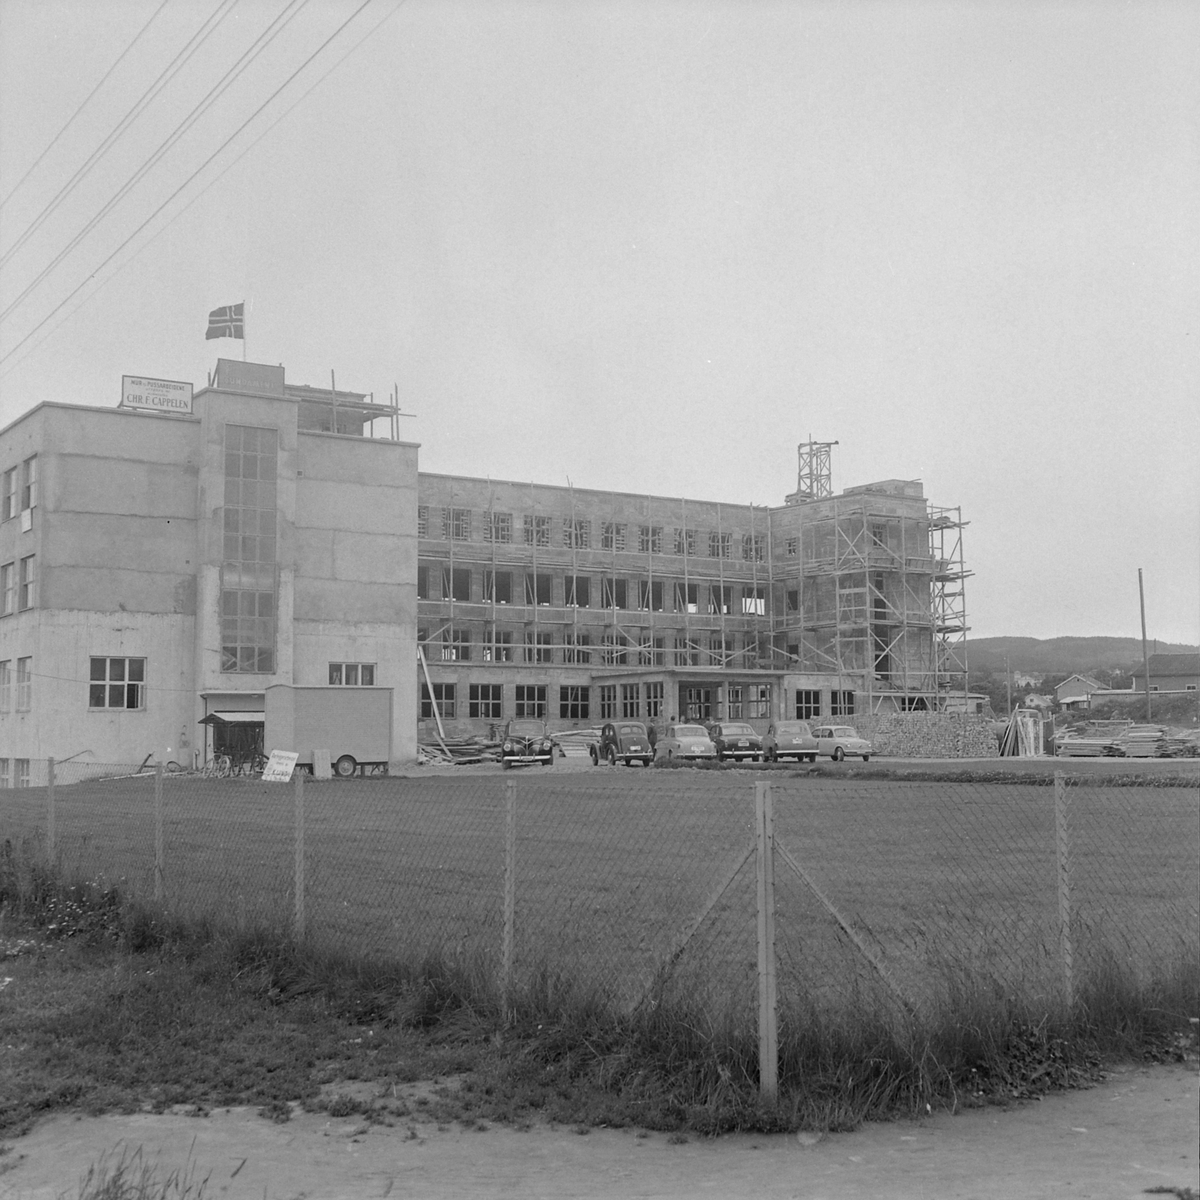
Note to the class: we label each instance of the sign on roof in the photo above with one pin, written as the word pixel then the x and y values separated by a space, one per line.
pixel 155 395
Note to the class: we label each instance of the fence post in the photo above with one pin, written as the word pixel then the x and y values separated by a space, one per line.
pixel 510 892
pixel 298 776
pixel 158 832
pixel 50 811
pixel 768 1031
pixel 1062 841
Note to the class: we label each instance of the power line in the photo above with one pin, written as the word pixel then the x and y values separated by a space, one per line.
pixel 203 191
pixel 87 101
pixel 264 39
pixel 169 72
pixel 189 179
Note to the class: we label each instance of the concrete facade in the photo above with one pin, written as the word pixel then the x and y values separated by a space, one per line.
pixel 143 546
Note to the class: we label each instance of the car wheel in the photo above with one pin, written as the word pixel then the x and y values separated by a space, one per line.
pixel 345 766
pixel 505 764
pixel 866 758
pixel 595 756
pixel 612 757
pixel 646 762
pixel 838 754
pixel 548 762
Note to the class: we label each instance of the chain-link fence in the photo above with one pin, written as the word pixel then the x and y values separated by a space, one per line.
pixel 641 884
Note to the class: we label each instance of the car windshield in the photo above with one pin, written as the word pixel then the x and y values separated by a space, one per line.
pixel 689 731
pixel 632 730
pixel 843 731
pixel 526 729
pixel 740 730
pixel 791 727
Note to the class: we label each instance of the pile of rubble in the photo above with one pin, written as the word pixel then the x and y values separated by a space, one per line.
pixel 929 735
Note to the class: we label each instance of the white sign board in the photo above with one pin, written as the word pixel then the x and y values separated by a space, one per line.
pixel 280 766
pixel 155 395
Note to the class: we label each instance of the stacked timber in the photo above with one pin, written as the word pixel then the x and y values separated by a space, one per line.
pixel 457 753
pixel 575 743
pixel 1143 741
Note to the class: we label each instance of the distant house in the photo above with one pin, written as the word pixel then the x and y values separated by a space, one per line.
pixel 1034 700
pixel 1076 692
pixel 1022 680
pixel 1170 673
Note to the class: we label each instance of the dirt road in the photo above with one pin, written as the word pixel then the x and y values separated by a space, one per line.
pixel 1138 1130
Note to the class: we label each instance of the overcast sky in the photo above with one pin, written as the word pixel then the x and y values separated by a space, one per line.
pixel 651 247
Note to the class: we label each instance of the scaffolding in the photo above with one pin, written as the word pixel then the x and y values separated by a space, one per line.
pixel 948 606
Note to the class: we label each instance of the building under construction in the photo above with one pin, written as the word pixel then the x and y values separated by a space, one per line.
pixel 578 605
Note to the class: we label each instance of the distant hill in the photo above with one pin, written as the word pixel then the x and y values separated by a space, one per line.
pixel 1065 655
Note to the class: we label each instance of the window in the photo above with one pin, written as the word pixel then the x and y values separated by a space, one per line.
pixel 456 583
pixel 352 674
pixel 531 700
pixel 248 569
pixel 578 589
pixel 720 650
pixel 577 648
pixel 1189 687
pixel 685 541
pixel 879 535
pixel 752 547
pixel 537 531
pixel 8 593
pixel 4 780
pixel 660 657
pixel 612 536
pixel 537 589
pixel 808 704
pixel 10 493
pixel 501 647
pixel 117 683
pixel 631 700
pixel 720 545
pixel 650 595
pixel 758 700
pixel 422 520
pixel 608 701
pixel 422 582
pixel 645 650
pixel 484 701
pixel 456 524
pixel 687 653
pixel 498 527
pixel 733 701
pixel 24 684
pixel 577 533
pixel 793 651
pixel 791 547
pixel 539 648
pixel 615 593
pixel 654 700
pixel 612 650
pixel 720 599
pixel 650 539
pixel 841 704
pixel 695 703
pixel 22 766
pixel 6 685
pixel 687 597
pixel 27 594
pixel 456 645
pixel 29 483
pixel 497 587
pixel 573 703
pixel 754 601
pixel 792 601
pixel 443 695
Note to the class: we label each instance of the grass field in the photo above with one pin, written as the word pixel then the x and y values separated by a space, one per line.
pixel 933 878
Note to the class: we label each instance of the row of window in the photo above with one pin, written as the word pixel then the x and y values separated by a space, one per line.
pixel 18 489
pixel 18 586
pixel 580 533
pixel 610 649
pixel 14 774
pixel 537 589
pixel 485 701
pixel 16 687
pixel 808 704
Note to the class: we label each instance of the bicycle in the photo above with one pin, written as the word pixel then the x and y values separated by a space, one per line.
pixel 218 767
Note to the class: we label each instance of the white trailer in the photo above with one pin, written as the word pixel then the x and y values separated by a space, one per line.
pixel 353 723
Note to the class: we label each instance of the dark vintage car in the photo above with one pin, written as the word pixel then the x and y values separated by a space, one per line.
pixel 736 740
pixel 526 741
pixel 790 739
pixel 622 741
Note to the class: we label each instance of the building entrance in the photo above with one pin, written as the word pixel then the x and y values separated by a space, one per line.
pixel 695 703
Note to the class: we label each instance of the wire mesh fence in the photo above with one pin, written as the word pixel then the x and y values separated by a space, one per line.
pixel 644 885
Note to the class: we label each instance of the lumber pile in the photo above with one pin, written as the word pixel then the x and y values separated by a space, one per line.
pixel 575 743
pixel 929 735
pixel 1094 739
pixel 445 753
pixel 1143 741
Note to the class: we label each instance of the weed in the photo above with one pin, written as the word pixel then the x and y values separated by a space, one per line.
pixel 130 1177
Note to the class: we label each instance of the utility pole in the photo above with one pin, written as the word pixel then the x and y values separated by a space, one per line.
pixel 1008 682
pixel 1145 655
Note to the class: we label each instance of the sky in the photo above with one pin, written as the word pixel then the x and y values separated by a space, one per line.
pixel 651 247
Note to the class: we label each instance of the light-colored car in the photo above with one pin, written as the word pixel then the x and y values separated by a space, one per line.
pixel 789 739
pixel 690 742
pixel 838 741
pixel 736 740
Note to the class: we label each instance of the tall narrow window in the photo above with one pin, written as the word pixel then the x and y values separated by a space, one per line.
pixel 27 594
pixel 10 483
pixel 29 474
pixel 654 700
pixel 8 590
pixel 249 586
pixel 6 685
pixel 631 700
pixel 24 684
pixel 608 701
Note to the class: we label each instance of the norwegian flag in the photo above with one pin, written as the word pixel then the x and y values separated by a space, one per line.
pixel 226 322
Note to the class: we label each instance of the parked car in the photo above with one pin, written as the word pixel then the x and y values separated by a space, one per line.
pixel 789 739
pixel 837 741
pixel 736 740
pixel 624 740
pixel 685 741
pixel 526 741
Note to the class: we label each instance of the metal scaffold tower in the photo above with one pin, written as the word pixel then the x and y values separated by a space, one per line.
pixel 948 606
pixel 815 479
